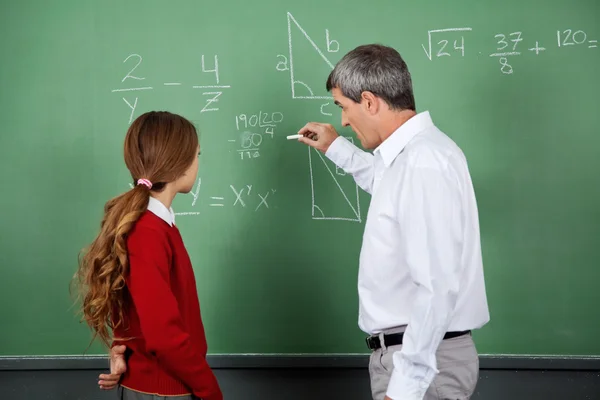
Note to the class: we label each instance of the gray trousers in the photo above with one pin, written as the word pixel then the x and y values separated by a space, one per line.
pixel 457 362
pixel 128 394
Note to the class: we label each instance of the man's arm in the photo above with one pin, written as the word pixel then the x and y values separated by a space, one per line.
pixel 344 154
pixel 429 213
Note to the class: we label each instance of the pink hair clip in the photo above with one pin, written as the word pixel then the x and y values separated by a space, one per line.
pixel 145 182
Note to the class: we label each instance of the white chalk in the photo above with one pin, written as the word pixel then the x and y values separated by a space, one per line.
pixel 290 137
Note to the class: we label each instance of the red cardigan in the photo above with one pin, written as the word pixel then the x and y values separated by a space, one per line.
pixel 163 331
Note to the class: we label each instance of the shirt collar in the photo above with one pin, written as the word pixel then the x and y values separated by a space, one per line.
pixel 161 211
pixel 395 143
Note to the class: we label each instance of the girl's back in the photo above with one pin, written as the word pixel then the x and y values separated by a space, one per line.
pixel 137 277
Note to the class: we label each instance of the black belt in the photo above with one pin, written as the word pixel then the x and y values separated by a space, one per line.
pixel 394 339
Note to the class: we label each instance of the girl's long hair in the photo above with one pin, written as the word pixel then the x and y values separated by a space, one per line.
pixel 160 147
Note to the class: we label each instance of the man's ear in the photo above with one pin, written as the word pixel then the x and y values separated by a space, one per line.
pixel 370 102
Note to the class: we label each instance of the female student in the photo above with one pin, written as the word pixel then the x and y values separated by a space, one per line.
pixel 136 276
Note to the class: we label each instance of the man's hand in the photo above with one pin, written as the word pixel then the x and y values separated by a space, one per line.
pixel 387 398
pixel 317 135
pixel 117 368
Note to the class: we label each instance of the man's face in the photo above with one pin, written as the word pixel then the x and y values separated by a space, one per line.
pixel 356 117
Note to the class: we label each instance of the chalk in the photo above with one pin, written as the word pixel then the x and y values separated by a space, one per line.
pixel 290 137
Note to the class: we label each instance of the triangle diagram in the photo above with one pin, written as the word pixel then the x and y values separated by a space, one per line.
pixel 309 66
pixel 335 195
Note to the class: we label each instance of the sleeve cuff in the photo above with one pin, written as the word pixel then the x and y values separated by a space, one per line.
pixel 402 387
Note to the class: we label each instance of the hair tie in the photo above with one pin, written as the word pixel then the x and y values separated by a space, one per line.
pixel 145 182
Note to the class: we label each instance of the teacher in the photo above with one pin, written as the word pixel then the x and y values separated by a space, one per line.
pixel 420 281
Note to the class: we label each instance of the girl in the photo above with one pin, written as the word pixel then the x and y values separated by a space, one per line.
pixel 136 277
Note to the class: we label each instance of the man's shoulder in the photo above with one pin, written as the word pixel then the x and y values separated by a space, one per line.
pixel 432 148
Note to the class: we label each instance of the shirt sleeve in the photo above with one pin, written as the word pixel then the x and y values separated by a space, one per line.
pixel 353 161
pixel 430 216
pixel 160 320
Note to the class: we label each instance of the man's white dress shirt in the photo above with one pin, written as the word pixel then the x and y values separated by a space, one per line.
pixel 420 261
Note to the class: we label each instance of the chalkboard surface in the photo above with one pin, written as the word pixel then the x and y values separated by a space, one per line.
pixel 273 229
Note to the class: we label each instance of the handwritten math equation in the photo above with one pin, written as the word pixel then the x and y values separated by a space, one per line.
pixel 251 130
pixel 240 196
pixel 450 42
pixel 210 87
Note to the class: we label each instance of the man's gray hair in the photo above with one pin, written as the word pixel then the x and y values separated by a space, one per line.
pixel 375 68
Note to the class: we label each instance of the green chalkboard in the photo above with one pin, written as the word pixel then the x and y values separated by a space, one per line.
pixel 274 230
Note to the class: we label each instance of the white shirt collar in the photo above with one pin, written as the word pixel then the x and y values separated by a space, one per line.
pixel 395 143
pixel 161 211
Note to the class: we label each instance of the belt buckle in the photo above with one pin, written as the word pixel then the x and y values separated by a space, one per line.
pixel 371 342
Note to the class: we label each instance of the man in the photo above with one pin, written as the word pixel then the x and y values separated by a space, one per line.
pixel 421 283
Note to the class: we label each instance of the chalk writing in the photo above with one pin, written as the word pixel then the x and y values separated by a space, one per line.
pixel 210 100
pixel 260 120
pixel 219 202
pixel 212 91
pixel 132 103
pixel 243 196
pixel 507 44
pixel 195 194
pixel 537 48
pixel 263 200
pixel 286 63
pixel 253 127
pixel 333 46
pixel 132 108
pixel 351 205
pixel 441 47
pixel 212 96
pixel 323 112
pixel 133 69
pixel 569 38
